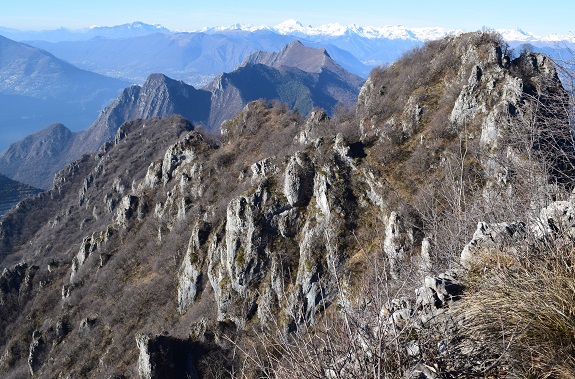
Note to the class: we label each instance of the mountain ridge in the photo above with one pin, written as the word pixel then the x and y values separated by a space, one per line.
pixel 186 255
pixel 289 26
pixel 326 85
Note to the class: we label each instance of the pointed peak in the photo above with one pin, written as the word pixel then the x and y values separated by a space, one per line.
pixel 156 76
pixel 297 42
pixel 156 79
pixel 297 47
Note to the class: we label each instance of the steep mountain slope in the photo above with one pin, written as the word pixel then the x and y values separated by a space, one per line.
pixel 165 246
pixel 39 89
pixel 326 85
pixel 37 158
pixel 300 76
pixel 11 192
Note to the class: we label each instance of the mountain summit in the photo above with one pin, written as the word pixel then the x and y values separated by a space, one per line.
pixel 295 55
pixel 302 77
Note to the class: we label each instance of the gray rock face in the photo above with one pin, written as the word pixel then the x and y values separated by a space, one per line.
pixel 36 355
pixel 189 279
pixel 237 262
pixel 262 169
pixel 266 232
pixel 490 236
pixel 558 219
pixel 144 360
pixel 298 182
pixel 312 126
pixel 398 240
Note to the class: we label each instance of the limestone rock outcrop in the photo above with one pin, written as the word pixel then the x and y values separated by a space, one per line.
pixel 168 225
pixel 489 237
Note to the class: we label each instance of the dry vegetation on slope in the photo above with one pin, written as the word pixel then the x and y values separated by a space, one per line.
pixel 292 247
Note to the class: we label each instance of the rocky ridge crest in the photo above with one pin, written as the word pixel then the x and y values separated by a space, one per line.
pixel 277 225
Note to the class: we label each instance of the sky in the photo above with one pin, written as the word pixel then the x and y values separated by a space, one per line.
pixel 537 17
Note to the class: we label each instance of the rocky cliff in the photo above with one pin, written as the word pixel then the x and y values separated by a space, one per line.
pixel 168 250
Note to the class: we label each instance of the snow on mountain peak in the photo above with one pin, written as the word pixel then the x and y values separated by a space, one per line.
pixel 421 34
pixel 294 27
pixel 291 23
pixel 234 27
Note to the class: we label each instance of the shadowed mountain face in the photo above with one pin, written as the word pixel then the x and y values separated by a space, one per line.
pixel 37 89
pixel 11 192
pixel 300 76
pixel 35 159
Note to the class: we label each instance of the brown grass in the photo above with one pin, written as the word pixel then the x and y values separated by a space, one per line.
pixel 522 315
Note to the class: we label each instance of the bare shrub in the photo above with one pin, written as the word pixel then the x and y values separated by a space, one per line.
pixel 365 335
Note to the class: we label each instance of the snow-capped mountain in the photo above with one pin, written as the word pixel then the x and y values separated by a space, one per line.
pixel 297 29
pixel 518 35
pixel 289 27
pixel 400 32
pixel 293 27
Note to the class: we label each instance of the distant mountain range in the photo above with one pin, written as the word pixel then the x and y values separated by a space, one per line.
pixel 134 29
pixel 289 27
pixel 302 77
pixel 195 58
pixel 133 51
pixel 37 89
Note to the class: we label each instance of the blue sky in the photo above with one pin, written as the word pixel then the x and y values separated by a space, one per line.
pixel 539 17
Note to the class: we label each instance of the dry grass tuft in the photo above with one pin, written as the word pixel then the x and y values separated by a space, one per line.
pixel 522 315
